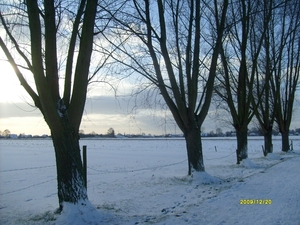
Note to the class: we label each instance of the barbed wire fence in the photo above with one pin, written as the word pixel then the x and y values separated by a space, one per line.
pixel 28 168
pixel 151 168
pixel 222 157
pixel 30 186
pixel 135 170
pixel 91 168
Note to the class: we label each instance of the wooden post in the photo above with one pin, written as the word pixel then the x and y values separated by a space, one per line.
pixel 84 166
pixel 291 146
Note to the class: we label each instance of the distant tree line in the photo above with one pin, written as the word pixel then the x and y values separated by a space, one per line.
pixel 109 134
pixel 254 131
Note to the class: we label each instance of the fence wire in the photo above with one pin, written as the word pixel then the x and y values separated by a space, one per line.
pixel 29 168
pixel 220 157
pixel 136 170
pixel 98 172
pixel 33 185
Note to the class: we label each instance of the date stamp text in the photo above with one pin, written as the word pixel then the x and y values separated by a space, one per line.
pixel 255 201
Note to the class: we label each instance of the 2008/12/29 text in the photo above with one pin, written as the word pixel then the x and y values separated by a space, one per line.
pixel 255 201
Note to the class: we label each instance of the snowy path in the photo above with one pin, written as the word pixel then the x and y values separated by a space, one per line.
pixel 283 189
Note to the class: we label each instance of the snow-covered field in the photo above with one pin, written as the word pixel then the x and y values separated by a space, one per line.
pixel 145 182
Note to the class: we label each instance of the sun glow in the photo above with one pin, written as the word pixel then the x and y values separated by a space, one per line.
pixel 10 87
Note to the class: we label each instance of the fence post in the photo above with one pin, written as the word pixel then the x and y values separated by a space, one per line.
pixel 291 146
pixel 84 166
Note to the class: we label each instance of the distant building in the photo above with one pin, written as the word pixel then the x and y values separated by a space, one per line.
pixel 120 135
pixel 13 136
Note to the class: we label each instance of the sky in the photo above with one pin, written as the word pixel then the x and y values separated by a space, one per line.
pixel 103 110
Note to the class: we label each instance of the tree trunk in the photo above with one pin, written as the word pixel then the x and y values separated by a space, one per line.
pixel 194 150
pixel 285 141
pixel 268 143
pixel 70 181
pixel 242 144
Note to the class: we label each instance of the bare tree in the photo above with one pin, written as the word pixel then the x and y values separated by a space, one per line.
pixel 6 133
pixel 169 44
pixel 111 132
pixel 265 113
pixel 36 36
pixel 240 51
pixel 219 131
pixel 285 60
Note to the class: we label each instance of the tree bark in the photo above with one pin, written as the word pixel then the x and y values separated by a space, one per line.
pixel 242 143
pixel 194 150
pixel 285 141
pixel 268 148
pixel 70 183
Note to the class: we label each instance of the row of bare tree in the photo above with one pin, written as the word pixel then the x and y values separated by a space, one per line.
pixel 260 68
pixel 245 52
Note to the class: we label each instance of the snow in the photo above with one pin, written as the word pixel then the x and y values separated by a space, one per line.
pixel 247 163
pixel 82 213
pixel 144 181
pixel 61 108
pixel 205 178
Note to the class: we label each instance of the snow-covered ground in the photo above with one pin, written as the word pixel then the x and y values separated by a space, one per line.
pixel 145 182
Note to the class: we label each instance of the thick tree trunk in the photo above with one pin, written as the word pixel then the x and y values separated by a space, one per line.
pixel 242 144
pixel 70 183
pixel 194 150
pixel 268 148
pixel 285 141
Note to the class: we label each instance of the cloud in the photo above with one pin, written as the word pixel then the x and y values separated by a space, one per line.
pixel 18 109
pixel 130 115
pixel 124 114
